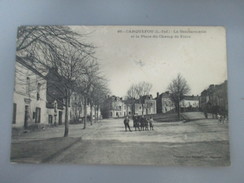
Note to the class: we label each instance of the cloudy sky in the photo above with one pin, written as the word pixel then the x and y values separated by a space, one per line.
pixel 129 55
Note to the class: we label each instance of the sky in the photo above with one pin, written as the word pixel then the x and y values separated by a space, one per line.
pixel 131 54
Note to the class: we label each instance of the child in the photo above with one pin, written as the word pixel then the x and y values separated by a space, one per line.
pixel 151 123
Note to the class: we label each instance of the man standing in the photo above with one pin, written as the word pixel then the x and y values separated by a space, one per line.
pixel 151 123
pixel 126 122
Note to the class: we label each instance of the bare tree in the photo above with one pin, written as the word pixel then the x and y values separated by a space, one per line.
pixel 87 86
pixel 99 93
pixel 178 88
pixel 65 75
pixel 55 48
pixel 136 92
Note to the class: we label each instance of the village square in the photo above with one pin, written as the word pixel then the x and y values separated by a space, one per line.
pixel 65 109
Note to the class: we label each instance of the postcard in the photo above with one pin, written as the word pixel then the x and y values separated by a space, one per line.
pixel 121 95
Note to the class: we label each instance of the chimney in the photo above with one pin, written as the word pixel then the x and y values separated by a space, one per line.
pixel 157 94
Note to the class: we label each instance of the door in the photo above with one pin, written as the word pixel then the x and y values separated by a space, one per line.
pixel 50 119
pixel 60 115
pixel 38 115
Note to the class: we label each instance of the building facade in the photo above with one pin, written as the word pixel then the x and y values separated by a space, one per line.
pixel 146 105
pixel 115 107
pixel 214 99
pixel 55 99
pixel 29 98
pixel 190 103
pixel 164 103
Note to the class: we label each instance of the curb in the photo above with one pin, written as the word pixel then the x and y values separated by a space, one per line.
pixel 45 160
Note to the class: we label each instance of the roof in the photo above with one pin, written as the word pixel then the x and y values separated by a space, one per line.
pixel 191 97
pixel 24 63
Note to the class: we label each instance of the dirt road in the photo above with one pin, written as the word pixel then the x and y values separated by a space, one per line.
pixel 200 142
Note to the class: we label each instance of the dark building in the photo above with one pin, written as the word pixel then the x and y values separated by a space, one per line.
pixel 55 97
pixel 164 103
pixel 214 99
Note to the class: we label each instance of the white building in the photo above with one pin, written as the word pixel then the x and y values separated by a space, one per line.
pixel 145 105
pixel 190 103
pixel 29 98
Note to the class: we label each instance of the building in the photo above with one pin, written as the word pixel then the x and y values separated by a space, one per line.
pixel 145 105
pixel 190 103
pixel 29 98
pixel 115 107
pixel 164 103
pixel 214 98
pixel 76 108
pixel 55 98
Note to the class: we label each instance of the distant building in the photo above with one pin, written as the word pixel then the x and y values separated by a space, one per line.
pixel 114 107
pixel 77 109
pixel 29 107
pixel 215 98
pixel 145 105
pixel 164 103
pixel 189 103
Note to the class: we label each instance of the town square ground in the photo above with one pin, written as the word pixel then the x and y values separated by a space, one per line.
pixel 196 142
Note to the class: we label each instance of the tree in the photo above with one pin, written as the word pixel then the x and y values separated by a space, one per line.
pixel 178 88
pixel 57 49
pixel 100 91
pixel 136 92
pixel 88 86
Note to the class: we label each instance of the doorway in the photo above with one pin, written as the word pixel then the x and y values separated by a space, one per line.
pixel 38 115
pixel 60 115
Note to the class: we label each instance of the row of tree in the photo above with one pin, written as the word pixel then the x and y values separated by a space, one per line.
pixel 65 52
pixel 177 88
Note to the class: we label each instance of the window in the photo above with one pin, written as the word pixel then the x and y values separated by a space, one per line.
pixel 50 119
pixel 28 86
pixel 34 115
pixel 38 91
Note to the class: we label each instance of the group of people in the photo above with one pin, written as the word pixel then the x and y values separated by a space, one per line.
pixel 221 117
pixel 140 123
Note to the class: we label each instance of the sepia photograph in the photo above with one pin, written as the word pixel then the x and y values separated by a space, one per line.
pixel 121 95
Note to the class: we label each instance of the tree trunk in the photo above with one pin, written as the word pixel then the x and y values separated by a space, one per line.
pixel 85 114
pixel 97 112
pixel 142 109
pixel 127 110
pixel 178 104
pixel 95 107
pixel 66 122
pixel 91 114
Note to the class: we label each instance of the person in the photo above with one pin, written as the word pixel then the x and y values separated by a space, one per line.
pixel 126 122
pixel 141 120
pixel 134 121
pixel 205 114
pixel 137 125
pixel 146 124
pixel 151 123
